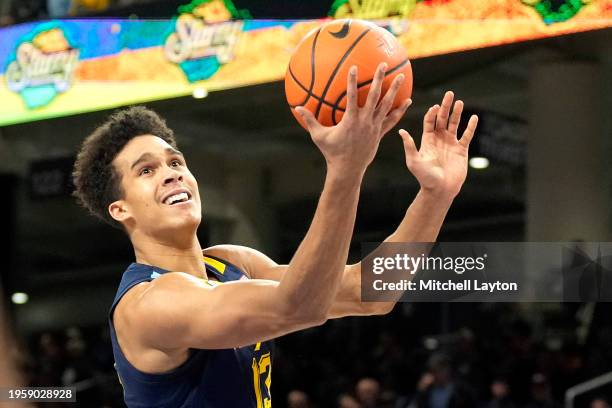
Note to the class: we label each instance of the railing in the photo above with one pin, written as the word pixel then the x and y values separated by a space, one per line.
pixel 573 392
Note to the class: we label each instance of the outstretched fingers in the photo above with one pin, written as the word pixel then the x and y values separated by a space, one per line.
pixel 395 115
pixel 429 120
pixel 444 112
pixel 409 146
pixel 351 91
pixel 455 118
pixel 312 124
pixel 387 102
pixel 376 87
pixel 468 134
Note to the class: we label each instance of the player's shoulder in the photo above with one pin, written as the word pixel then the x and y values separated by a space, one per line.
pixel 153 307
pixel 246 259
pixel 149 296
pixel 150 315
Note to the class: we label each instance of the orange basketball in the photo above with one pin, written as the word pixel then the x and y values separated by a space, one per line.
pixel 317 73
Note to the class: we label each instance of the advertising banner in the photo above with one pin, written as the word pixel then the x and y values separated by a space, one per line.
pixel 65 67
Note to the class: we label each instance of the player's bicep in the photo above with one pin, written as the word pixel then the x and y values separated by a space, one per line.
pixel 180 311
pixel 347 301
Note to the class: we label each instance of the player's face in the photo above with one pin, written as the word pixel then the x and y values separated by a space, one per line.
pixel 159 192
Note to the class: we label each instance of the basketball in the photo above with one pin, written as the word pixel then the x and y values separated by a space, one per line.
pixel 317 74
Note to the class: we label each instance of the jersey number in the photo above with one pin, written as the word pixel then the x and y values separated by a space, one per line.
pixel 263 367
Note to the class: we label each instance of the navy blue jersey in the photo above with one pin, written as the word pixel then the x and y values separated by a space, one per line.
pixel 238 377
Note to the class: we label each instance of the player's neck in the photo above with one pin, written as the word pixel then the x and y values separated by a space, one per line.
pixel 184 256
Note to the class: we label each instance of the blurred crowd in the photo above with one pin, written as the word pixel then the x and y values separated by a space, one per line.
pixel 19 11
pixel 489 357
pixel 76 357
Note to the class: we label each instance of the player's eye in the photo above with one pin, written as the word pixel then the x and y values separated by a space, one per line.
pixel 145 170
pixel 176 163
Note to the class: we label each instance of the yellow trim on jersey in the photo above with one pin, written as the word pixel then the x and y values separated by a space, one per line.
pixel 219 266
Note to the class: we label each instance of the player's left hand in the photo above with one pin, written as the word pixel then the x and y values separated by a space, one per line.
pixel 441 163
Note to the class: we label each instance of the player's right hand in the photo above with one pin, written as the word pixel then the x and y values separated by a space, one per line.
pixel 350 146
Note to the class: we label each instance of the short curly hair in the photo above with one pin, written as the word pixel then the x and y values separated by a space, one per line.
pixel 97 182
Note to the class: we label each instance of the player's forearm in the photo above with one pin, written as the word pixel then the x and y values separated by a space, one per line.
pixel 313 276
pixel 421 223
pixel 423 219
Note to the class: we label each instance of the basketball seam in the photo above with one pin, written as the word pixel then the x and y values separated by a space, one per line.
pixel 336 105
pixel 312 71
pixel 318 98
pixel 333 75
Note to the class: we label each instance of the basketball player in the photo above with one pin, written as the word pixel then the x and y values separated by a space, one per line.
pixel 193 328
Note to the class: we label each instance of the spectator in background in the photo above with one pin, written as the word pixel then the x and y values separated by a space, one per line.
pixel 500 395
pixel 367 391
pixel 77 365
pixel 5 13
pixel 79 370
pixel 347 401
pixel 59 8
pixel 63 8
pixel 439 389
pixel 50 361
pixel 600 402
pixel 12 11
pixel 541 395
pixel 83 7
pixel 24 10
pixel 298 399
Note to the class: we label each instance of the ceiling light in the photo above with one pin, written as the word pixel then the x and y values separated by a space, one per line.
pixel 19 298
pixel 479 162
pixel 200 93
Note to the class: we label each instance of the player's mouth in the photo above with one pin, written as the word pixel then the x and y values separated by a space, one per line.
pixel 177 198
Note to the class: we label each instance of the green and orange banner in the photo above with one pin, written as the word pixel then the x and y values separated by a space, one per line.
pixel 65 67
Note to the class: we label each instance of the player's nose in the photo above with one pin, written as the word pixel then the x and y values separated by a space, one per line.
pixel 172 176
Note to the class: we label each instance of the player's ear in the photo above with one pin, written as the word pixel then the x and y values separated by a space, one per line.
pixel 119 210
